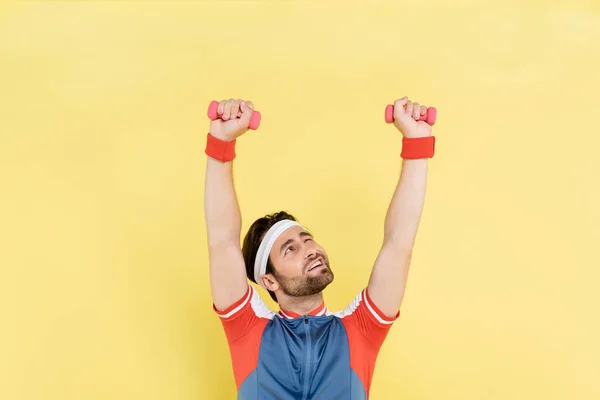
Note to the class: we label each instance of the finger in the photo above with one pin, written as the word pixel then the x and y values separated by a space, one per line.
pixel 235 108
pixel 416 110
pixel 249 104
pixel 409 108
pixel 227 109
pixel 221 107
pixel 423 110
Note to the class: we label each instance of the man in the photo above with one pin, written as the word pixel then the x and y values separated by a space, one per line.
pixel 305 351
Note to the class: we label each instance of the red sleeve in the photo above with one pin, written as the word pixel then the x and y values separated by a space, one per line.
pixel 368 319
pixel 244 322
pixel 367 328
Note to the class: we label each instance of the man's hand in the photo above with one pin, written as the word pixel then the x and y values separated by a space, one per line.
pixel 234 119
pixel 405 114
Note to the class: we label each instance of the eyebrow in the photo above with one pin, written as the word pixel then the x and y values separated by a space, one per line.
pixel 287 242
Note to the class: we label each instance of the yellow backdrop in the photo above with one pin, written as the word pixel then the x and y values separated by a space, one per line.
pixel 104 279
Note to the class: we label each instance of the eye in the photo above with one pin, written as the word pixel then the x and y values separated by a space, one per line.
pixel 289 248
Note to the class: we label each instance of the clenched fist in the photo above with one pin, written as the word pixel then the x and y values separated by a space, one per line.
pixel 234 119
pixel 406 115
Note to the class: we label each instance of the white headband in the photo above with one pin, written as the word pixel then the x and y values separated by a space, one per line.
pixel 262 256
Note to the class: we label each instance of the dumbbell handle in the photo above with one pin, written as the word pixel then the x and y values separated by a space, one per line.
pixel 213 114
pixel 429 116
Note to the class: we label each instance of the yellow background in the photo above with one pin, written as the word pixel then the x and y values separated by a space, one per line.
pixel 103 265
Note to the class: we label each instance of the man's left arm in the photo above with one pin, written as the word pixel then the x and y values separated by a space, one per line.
pixel 390 271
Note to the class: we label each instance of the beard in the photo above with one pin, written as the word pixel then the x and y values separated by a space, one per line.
pixel 307 285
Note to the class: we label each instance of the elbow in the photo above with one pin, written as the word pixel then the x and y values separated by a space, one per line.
pixel 225 240
pixel 400 245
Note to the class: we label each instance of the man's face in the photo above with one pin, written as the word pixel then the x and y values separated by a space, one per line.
pixel 301 265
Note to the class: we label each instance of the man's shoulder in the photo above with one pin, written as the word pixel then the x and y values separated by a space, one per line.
pixel 248 314
pixel 250 303
pixel 363 307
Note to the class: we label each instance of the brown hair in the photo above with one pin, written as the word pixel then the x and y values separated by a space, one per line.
pixel 255 234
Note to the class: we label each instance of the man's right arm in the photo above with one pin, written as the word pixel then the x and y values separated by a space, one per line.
pixel 223 223
pixel 222 213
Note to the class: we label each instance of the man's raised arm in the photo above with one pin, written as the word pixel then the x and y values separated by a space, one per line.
pixel 221 209
pixel 390 272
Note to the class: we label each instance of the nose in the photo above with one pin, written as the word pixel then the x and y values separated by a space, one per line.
pixel 309 251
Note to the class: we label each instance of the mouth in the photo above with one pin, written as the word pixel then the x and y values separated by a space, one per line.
pixel 318 263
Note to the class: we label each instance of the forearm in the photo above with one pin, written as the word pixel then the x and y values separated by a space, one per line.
pixel 221 208
pixel 405 209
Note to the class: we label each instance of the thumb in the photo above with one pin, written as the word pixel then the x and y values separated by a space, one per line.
pixel 400 108
pixel 247 109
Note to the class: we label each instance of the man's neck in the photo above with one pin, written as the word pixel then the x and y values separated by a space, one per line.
pixel 301 305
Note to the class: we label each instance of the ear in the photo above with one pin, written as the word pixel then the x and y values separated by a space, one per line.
pixel 270 282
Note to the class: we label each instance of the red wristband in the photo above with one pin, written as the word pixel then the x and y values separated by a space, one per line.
pixel 415 148
pixel 219 149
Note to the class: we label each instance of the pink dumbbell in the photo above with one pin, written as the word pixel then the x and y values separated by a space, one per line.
pixel 213 113
pixel 429 116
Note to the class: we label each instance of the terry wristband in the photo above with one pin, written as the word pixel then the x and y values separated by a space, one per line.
pixel 219 149
pixel 415 148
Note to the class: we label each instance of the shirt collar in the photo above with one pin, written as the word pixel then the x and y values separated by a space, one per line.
pixel 317 312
